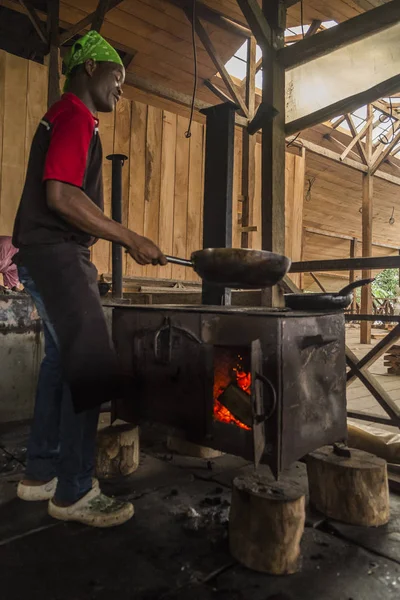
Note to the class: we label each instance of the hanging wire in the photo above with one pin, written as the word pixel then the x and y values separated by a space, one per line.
pixel 188 133
pixel 310 182
pixel 293 140
pixel 302 17
pixel 392 219
pixel 383 138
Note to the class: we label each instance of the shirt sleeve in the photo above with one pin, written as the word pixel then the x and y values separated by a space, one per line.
pixel 67 155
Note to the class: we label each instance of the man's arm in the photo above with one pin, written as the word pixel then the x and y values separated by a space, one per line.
pixel 73 205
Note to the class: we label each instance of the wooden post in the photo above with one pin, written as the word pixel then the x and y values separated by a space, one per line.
pixel 117 451
pixel 249 144
pixel 273 144
pixel 353 254
pixel 53 32
pixel 367 211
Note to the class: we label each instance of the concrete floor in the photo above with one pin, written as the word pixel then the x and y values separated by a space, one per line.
pixel 176 546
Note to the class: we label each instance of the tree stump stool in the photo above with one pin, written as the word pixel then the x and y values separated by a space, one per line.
pixel 353 490
pixel 266 523
pixel 186 448
pixel 117 451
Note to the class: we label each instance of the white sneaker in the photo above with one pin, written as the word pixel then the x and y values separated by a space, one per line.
pixel 94 509
pixel 34 493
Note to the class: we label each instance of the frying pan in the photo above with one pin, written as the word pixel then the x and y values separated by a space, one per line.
pixel 237 267
pixel 338 300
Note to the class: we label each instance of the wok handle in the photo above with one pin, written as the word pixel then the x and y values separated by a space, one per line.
pixel 356 284
pixel 184 262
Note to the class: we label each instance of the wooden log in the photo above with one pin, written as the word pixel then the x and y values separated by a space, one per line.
pixel 266 523
pixel 117 451
pixel 353 490
pixel 186 448
pixel 238 403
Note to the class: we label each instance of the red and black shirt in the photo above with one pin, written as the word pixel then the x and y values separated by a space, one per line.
pixel 66 147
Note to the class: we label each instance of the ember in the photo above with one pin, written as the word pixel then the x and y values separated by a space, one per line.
pixel 242 379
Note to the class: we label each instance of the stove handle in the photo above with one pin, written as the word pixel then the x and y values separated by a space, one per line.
pixel 264 417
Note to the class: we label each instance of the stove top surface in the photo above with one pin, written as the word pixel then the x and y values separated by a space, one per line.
pixel 226 310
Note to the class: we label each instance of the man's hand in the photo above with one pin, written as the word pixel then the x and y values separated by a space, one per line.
pixel 144 251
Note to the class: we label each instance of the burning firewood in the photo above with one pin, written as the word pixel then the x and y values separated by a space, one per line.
pixel 238 403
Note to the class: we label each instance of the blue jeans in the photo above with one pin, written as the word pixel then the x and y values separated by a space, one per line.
pixel 62 443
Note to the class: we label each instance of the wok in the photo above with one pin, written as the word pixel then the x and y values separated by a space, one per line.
pixel 338 300
pixel 237 267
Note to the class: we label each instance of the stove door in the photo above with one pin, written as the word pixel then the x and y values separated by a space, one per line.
pixel 171 369
pixel 257 403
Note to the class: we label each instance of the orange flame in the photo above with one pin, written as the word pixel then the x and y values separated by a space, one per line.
pixel 221 413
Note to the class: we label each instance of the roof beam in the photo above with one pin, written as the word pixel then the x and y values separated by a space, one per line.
pixel 219 63
pixel 170 94
pixel 85 22
pixel 315 25
pixel 335 157
pixel 347 105
pixel 257 22
pixel 32 15
pixel 357 137
pixel 217 91
pixel 212 16
pixel 100 13
pixel 345 33
pixel 384 155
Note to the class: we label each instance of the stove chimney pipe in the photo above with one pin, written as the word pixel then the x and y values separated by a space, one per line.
pixel 118 161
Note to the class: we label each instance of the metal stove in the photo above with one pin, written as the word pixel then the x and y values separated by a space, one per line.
pixel 183 357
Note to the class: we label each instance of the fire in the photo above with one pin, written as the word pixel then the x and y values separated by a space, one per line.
pixel 243 380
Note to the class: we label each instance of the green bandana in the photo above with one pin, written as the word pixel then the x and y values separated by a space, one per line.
pixel 90 46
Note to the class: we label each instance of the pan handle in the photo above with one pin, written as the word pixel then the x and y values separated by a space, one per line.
pixel 352 286
pixel 179 261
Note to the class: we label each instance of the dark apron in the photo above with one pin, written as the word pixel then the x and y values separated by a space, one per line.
pixel 67 281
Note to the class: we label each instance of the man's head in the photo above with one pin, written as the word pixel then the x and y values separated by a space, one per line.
pixel 94 65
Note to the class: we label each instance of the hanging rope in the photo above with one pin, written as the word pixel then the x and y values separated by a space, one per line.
pixel 189 131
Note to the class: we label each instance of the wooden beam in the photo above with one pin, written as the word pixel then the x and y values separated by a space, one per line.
pixel 367 215
pixel 335 156
pixel 273 140
pixel 128 58
pixel 342 236
pixel 53 17
pixel 290 3
pixel 218 92
pixel 218 62
pixel 214 16
pixel 381 146
pixel 357 137
pixel 171 94
pixel 312 30
pixel 385 153
pixel 352 276
pixel 346 264
pixel 264 113
pixel 35 20
pixel 257 22
pixel 100 13
pixel 376 352
pixel 347 105
pixel 345 33
pixel 84 23
pixel 249 145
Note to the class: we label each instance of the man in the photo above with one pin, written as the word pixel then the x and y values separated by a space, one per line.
pixel 59 217
pixel 7 268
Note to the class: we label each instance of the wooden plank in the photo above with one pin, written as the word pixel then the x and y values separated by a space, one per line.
pixel 219 63
pixel 35 20
pixel 36 102
pixel 217 91
pixel 85 22
pixel 3 69
pixel 357 137
pixel 237 188
pixel 153 179
pixel 137 167
pixel 53 32
pixel 256 238
pixel 375 353
pixel 101 251
pixel 384 155
pixel 181 196
pixel 14 132
pixel 294 202
pixel 312 30
pixel 195 195
pixel 122 140
pixel 168 157
pixel 345 33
